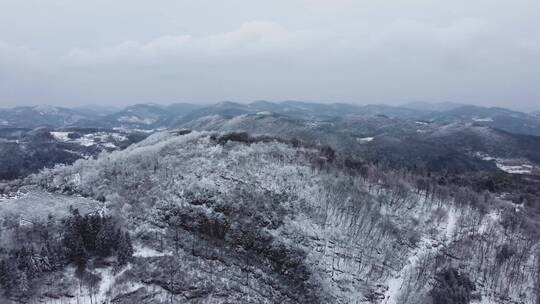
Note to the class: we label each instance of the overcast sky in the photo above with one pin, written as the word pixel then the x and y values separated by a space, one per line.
pixel 73 52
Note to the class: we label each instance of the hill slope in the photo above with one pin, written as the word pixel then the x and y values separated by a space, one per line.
pixel 224 218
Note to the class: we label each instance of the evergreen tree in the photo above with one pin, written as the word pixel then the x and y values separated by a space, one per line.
pixel 94 224
pixel 21 285
pixel 80 255
pixel 125 248
pixel 4 273
pixel 452 288
pixel 74 249
pixel 10 278
pixel 105 239
pixel 45 256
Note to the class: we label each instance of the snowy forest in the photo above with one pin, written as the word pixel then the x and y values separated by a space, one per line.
pixel 210 217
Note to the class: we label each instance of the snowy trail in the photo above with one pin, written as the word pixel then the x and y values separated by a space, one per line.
pixel 424 248
pixel 396 283
pixel 108 278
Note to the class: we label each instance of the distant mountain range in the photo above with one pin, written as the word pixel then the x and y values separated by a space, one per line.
pixel 42 116
pixel 153 116
pixel 432 106
pixel 441 137
pixel 140 116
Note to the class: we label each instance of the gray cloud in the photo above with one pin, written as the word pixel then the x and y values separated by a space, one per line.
pixel 76 52
pixel 251 40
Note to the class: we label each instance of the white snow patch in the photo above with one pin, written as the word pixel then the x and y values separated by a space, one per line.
pixel 312 124
pixel 486 119
pixel 104 139
pixel 118 137
pixel 424 248
pixel 108 279
pixel 122 129
pixel 515 169
pixel 451 224
pixel 109 145
pixel 512 166
pixel 135 119
pixel 396 283
pixel 490 219
pixel 365 139
pixel 61 136
pixel 87 140
pixel 12 195
pixel 147 252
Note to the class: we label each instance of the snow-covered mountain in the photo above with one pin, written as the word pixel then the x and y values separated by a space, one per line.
pixel 442 138
pixel 41 116
pixel 398 142
pixel 271 203
pixel 153 116
pixel 228 218
pixel 142 116
pixel 500 118
pixel 432 106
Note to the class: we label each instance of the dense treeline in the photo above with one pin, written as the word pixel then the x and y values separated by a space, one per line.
pixel 76 240
pixel 93 235
pixel 20 268
pixel 452 287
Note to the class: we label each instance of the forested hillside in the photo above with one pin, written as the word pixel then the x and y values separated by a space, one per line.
pixel 232 217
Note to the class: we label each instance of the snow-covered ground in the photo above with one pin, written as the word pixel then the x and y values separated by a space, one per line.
pixel 61 136
pixel 373 243
pixel 12 195
pixel 512 166
pixel 137 120
pixel 122 129
pixel 489 220
pixel 424 248
pixel 365 139
pixel 147 252
pixel 483 119
pixel 264 113
pixel 103 293
pixel 104 139
pixel 108 279
pixel 313 124
pixel 39 204
pixel 516 169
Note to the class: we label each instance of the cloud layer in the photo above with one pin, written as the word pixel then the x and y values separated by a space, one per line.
pixel 344 50
pixel 250 41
